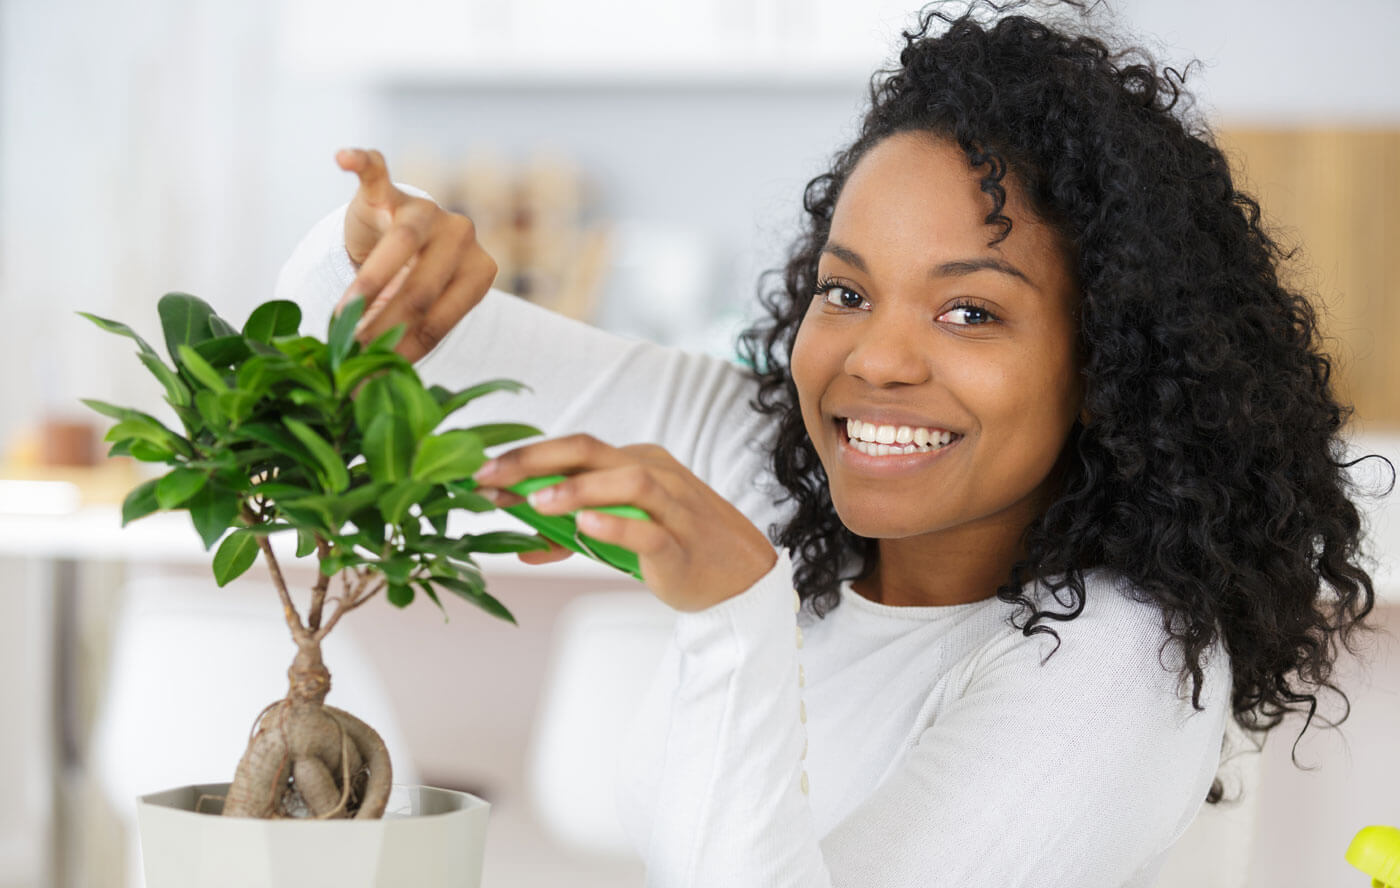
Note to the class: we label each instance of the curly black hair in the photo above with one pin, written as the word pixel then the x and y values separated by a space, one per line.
pixel 1209 473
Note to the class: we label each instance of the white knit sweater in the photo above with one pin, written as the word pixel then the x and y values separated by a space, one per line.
pixel 879 747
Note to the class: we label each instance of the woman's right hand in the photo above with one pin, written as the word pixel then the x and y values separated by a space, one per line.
pixel 418 264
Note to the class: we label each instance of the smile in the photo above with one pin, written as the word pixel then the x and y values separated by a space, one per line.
pixel 891 440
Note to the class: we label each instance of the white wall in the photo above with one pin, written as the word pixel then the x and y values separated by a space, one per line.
pixel 152 145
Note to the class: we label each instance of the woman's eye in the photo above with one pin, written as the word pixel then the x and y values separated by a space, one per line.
pixel 841 297
pixel 967 316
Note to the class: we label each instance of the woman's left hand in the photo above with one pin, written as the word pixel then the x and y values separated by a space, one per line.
pixel 696 551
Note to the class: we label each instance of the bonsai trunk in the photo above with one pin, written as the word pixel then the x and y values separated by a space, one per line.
pixel 307 759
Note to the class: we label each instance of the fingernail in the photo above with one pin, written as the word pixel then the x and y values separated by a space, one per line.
pixel 487 470
pixel 543 496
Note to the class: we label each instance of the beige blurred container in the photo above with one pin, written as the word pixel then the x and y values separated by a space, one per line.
pixel 428 838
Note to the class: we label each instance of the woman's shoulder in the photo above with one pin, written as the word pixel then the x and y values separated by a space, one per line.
pixel 1114 640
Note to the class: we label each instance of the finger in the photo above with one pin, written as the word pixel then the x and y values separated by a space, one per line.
pixel 432 270
pixel 557 456
pixel 662 494
pixel 372 171
pixel 649 539
pixel 501 499
pixel 388 258
pixel 463 294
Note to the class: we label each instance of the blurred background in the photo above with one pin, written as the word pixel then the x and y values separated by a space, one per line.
pixel 633 164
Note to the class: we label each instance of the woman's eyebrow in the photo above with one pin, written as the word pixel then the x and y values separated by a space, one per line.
pixel 953 268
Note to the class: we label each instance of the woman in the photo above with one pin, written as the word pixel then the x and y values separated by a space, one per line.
pixel 1049 454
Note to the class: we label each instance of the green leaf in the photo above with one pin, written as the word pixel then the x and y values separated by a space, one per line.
pixel 207 403
pixel 429 591
pixel 178 486
pixel 340 338
pixel 450 456
pixel 413 402
pixel 148 452
pixel 339 560
pixel 395 503
pixel 400 595
pixel 338 507
pixel 237 405
pixel 306 542
pixel 388 340
pixel 464 496
pixel 277 438
pixel 465 396
pixel 224 351
pixel 277 490
pixel 333 471
pixel 116 412
pixel 374 399
pixel 308 398
pixel 121 329
pixel 140 502
pixel 220 328
pixel 200 369
pixel 398 567
pixel 146 428
pixel 257 374
pixel 471 587
pixel 503 432
pixel 176 392
pixel 357 368
pixel 388 446
pixel 504 541
pixel 185 321
pixel 276 318
pixel 236 554
pixel 213 510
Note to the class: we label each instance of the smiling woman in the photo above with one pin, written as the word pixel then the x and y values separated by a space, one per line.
pixel 920 324
pixel 1050 458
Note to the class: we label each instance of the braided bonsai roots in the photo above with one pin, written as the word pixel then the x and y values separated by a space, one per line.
pixel 309 760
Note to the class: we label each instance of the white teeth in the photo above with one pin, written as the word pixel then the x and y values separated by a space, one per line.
pixel 873 448
pixel 887 439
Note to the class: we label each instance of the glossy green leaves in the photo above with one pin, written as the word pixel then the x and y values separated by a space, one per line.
pixel 338 441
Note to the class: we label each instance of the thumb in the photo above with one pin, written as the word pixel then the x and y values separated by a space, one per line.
pixel 376 188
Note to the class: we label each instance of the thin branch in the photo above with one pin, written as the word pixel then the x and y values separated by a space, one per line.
pixel 345 604
pixel 318 592
pixel 289 610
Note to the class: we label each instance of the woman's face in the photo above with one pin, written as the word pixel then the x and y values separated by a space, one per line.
pixel 923 338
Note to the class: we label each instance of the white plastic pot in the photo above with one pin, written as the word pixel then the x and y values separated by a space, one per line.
pixel 428 838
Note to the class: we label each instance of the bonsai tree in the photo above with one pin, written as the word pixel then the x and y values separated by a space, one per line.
pixel 334 443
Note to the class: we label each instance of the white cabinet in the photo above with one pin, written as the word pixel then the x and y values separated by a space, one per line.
pixel 557 42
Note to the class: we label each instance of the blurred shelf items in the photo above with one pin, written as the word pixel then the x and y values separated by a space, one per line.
pixel 537 218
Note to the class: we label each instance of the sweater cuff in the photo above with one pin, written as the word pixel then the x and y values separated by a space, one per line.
pixel 751 617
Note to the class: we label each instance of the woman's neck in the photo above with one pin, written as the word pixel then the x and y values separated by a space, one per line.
pixel 957 566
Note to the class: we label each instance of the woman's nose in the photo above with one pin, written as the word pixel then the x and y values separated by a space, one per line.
pixel 890 350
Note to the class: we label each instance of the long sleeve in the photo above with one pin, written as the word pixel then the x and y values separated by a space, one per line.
pixel 583 379
pixel 980 762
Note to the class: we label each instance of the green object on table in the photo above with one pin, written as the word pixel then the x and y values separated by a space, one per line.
pixel 563 529
pixel 1376 852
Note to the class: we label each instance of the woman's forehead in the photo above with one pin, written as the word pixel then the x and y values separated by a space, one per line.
pixel 917 194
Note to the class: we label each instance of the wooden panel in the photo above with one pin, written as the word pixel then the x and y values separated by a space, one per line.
pixel 1335 195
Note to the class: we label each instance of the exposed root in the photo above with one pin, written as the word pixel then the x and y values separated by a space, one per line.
pixel 309 760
